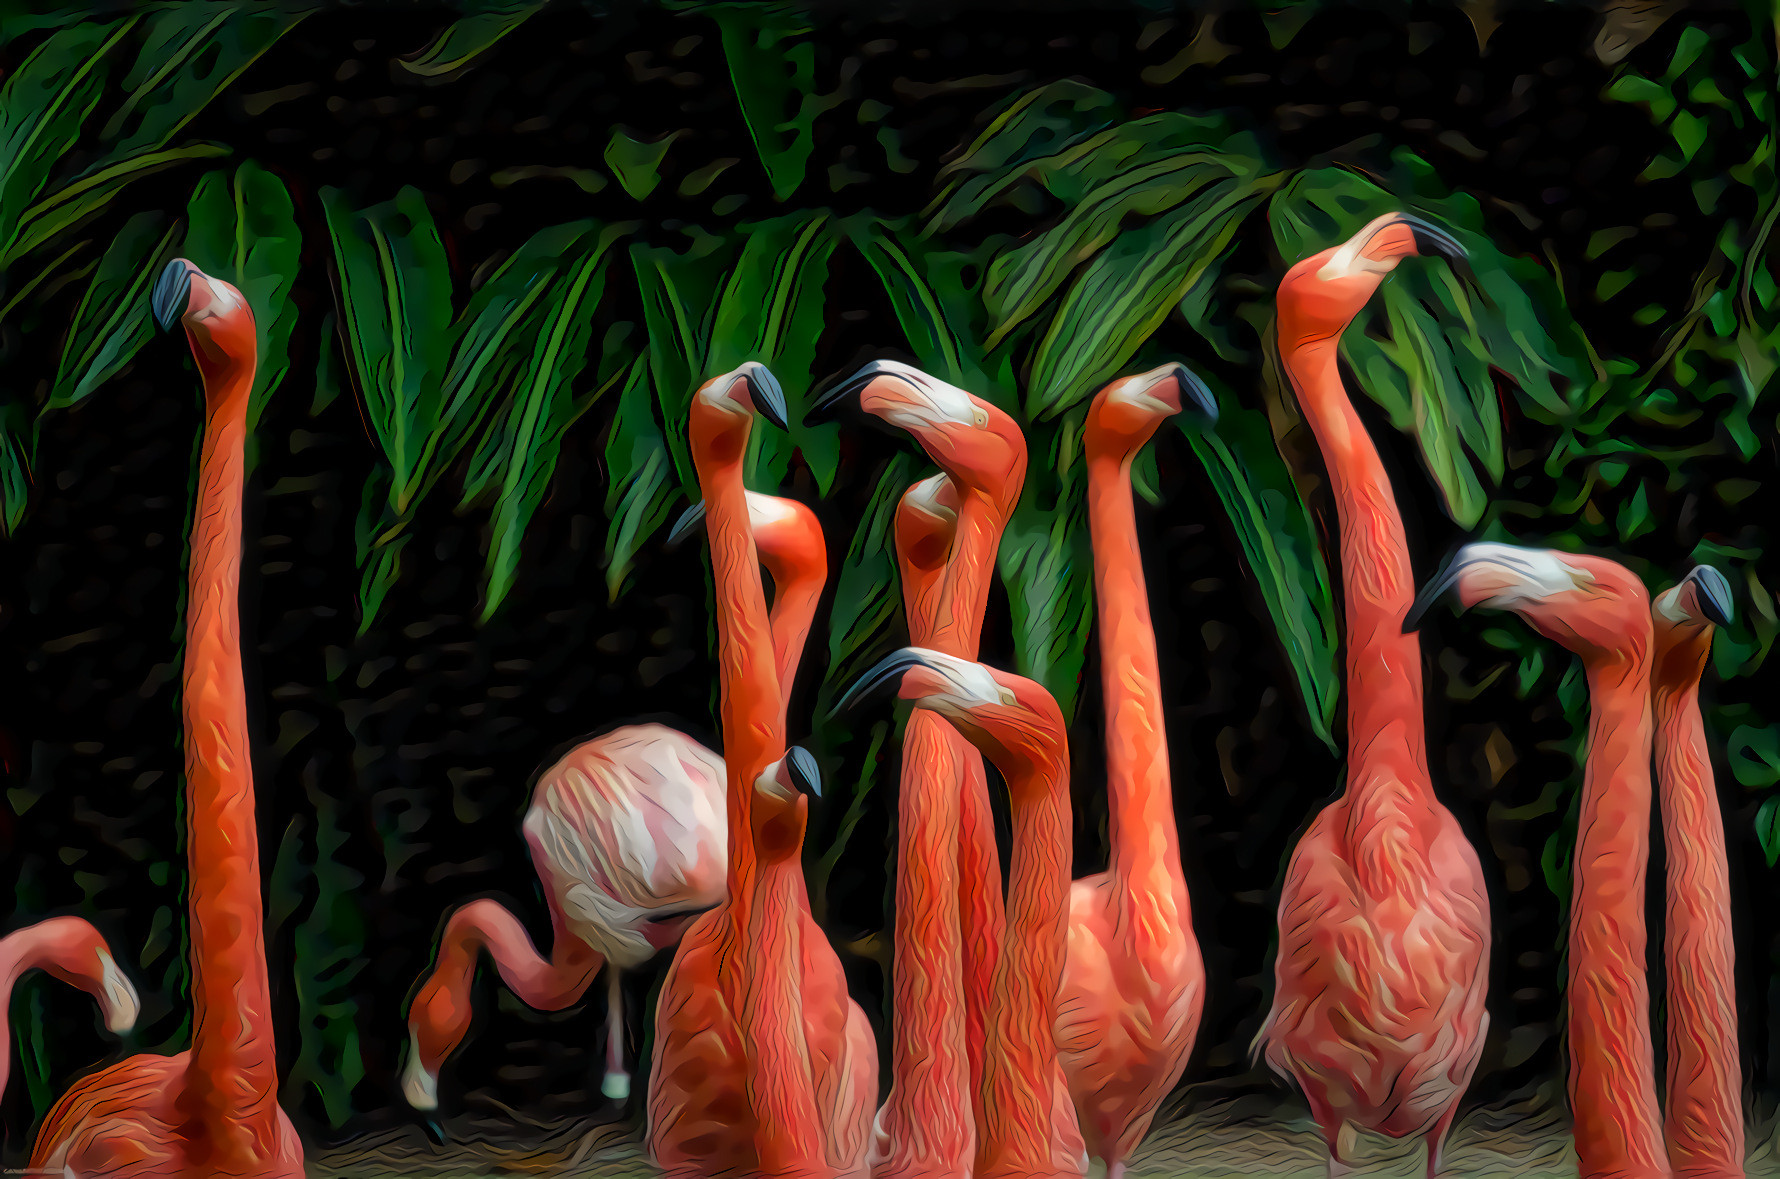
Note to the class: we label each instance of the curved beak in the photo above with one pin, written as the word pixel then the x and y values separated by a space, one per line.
pixel 829 405
pixel 1430 239
pixel 887 673
pixel 764 390
pixel 1714 591
pixel 1194 392
pixel 689 522
pixel 1443 581
pixel 805 774
pixel 172 292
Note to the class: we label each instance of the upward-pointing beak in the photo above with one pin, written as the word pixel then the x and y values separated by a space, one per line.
pixel 172 291
pixel 764 391
pixel 689 522
pixel 1714 591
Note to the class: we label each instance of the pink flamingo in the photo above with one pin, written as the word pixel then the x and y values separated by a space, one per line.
pixel 70 950
pixel 628 834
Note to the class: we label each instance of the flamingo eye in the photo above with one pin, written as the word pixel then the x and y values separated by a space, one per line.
pixel 979 417
pixel 1007 697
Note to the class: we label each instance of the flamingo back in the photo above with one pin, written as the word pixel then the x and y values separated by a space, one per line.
pixel 1378 1011
pixel 627 829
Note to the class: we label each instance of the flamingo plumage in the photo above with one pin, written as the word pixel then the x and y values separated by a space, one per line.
pixel 1030 1125
pixel 71 951
pixel 756 1068
pixel 949 917
pixel 1596 609
pixel 628 834
pixel 1703 1120
pixel 213 1109
pixel 1383 961
pixel 1134 981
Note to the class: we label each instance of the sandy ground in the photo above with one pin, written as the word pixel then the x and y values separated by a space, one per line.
pixel 1215 1140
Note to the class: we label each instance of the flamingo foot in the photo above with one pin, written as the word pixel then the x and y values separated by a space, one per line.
pixel 420 1085
pixel 616 1086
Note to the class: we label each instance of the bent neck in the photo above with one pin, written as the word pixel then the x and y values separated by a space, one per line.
pixel 796 590
pixel 1020 1057
pixel 232 1039
pixel 1139 788
pixel 956 624
pixel 1384 665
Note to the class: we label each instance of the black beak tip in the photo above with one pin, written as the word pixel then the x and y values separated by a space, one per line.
pixel 1714 590
pixel 838 398
pixel 1432 592
pixel 689 522
pixel 172 291
pixel 768 397
pixel 1194 392
pixel 885 673
pixel 1431 239
pixel 806 775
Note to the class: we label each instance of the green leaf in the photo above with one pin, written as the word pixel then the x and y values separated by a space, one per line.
pixel 244 229
pixel 15 463
pixel 190 54
pixel 679 293
pixel 640 487
pixel 395 312
pixel 1279 540
pixel 1047 566
pixel 1037 123
pixel 328 954
pixel 471 34
pixel 862 626
pixel 637 162
pixel 1754 756
pixel 1123 296
pixel 45 101
pixel 1767 829
pixel 773 74
pixel 1631 87
pixel 527 438
pixel 113 319
pixel 771 311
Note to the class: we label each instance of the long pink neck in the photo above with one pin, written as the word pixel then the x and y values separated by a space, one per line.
pixel 1139 790
pixel 788 1134
pixel 233 1075
pixel 1704 1121
pixel 1384 665
pixel 1612 1062
pixel 1020 1068
pixel 796 590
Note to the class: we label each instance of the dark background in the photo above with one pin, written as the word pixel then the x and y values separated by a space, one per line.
pixel 408 753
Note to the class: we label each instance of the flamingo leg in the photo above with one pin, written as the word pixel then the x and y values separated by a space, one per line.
pixel 1437 1141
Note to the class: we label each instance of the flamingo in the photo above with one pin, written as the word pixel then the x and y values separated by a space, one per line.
pixel 627 832
pixel 1703 1124
pixel 211 1110
pixel 1598 610
pixel 70 950
pixel 1134 982
pixel 1378 1008
pixel 1031 1125
pixel 761 1061
pixel 948 916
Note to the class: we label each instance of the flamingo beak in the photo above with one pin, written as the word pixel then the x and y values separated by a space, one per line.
pixel 764 391
pixel 805 774
pixel 1193 391
pixel 689 522
pixel 887 673
pixel 1430 239
pixel 172 293
pixel 1714 592
pixel 1438 586
pixel 828 407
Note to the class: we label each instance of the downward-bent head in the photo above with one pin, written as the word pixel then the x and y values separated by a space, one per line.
pixel 217 320
pixel 1126 414
pixel 781 809
pixel 723 410
pixel 1320 296
pixel 1589 605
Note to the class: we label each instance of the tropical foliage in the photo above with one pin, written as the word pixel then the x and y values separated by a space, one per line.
pixel 1074 238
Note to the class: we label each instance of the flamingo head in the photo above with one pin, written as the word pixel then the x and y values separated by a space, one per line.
pixel 1588 605
pixel 1126 414
pixel 1013 720
pixel 117 997
pixel 1320 296
pixel 781 808
pixel 975 443
pixel 723 410
pixel 1701 601
pixel 926 521
pixel 218 322
pixel 786 534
